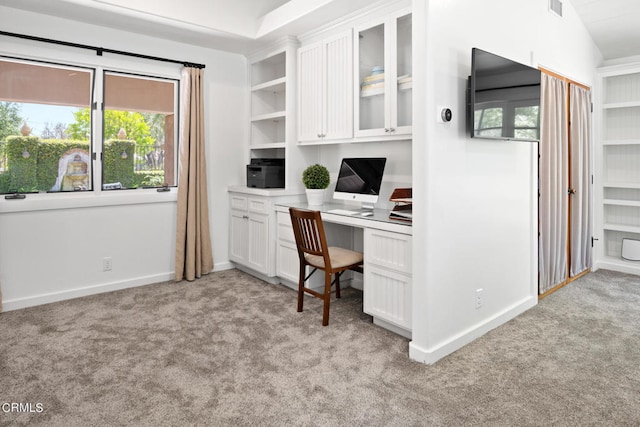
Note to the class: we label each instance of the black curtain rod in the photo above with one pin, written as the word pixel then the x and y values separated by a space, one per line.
pixel 100 50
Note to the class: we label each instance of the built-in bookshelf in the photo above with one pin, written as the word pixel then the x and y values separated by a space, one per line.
pixel 618 137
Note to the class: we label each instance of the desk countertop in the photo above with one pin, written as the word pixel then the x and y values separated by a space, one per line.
pixel 379 220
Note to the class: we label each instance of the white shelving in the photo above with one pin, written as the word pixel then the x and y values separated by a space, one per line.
pixel 617 209
pixel 268 103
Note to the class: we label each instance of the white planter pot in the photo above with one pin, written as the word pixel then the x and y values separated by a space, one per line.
pixel 315 197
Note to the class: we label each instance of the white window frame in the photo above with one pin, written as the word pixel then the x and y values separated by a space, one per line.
pixel 34 51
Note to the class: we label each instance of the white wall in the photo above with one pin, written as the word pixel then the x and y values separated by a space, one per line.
pixel 46 253
pixel 397 171
pixel 476 200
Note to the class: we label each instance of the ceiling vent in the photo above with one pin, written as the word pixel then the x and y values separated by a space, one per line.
pixel 555 6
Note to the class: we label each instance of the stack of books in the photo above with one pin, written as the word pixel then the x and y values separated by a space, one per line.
pixel 403 210
pixel 373 84
pixel 405 82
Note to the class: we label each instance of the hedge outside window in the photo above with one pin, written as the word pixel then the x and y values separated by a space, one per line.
pixel 139 132
pixel 47 137
pixel 39 156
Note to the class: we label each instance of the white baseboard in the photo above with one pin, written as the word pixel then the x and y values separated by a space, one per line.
pixel 432 355
pixel 31 301
pixel 220 266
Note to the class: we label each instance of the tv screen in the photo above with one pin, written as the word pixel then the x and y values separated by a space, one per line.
pixel 360 179
pixel 504 98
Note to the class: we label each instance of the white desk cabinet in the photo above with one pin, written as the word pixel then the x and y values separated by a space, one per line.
pixel 387 277
pixel 249 232
pixel 386 245
pixel 287 261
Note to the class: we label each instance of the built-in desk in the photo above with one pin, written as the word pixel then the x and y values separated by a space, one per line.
pixel 386 245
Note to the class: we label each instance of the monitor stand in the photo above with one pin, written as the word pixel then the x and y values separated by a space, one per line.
pixel 367 206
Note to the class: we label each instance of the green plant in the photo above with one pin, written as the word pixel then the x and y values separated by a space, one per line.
pixel 149 179
pixel 316 177
pixel 118 162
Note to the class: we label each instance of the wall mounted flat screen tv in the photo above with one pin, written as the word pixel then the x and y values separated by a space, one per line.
pixel 503 98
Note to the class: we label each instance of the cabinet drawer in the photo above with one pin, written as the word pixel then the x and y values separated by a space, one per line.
pixel 285 229
pixel 258 205
pixel 239 202
pixel 388 250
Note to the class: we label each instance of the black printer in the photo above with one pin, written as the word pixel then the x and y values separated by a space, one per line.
pixel 265 173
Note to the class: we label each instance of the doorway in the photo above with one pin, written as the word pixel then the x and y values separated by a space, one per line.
pixel 565 183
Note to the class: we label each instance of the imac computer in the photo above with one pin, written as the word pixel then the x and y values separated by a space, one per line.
pixel 359 179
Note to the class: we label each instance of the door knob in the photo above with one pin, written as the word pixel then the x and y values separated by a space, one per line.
pixel 571 191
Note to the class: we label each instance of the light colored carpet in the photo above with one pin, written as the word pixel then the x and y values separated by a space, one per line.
pixel 231 350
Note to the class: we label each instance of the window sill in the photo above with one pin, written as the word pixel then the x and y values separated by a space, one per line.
pixel 43 202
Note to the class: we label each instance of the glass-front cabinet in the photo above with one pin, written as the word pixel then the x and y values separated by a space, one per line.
pixel 383 74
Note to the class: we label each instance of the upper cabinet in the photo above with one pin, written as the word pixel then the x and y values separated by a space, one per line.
pixel 325 89
pixel 384 79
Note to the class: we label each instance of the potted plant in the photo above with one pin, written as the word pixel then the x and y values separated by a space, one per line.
pixel 315 179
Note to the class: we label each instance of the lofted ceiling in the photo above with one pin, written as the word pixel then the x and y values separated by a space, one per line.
pixel 231 25
pixel 238 25
pixel 614 25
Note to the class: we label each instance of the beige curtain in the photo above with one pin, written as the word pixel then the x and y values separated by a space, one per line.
pixel 194 256
pixel 580 140
pixel 554 180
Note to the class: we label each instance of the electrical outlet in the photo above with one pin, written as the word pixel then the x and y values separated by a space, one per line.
pixel 107 263
pixel 478 298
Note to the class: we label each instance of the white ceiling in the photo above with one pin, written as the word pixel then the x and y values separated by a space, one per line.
pixel 232 25
pixel 614 25
pixel 237 25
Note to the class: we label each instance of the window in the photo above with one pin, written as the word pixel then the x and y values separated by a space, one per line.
pixel 139 132
pixel 36 102
pixel 49 131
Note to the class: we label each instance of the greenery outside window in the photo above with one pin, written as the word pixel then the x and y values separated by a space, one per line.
pixel 48 141
pixel 36 152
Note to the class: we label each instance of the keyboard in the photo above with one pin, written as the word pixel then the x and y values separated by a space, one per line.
pixel 342 212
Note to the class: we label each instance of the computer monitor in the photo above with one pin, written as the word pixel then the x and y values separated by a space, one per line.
pixel 359 179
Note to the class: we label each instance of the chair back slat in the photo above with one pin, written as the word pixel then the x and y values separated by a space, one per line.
pixel 308 231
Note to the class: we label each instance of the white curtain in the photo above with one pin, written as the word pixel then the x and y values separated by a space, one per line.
pixel 554 180
pixel 580 140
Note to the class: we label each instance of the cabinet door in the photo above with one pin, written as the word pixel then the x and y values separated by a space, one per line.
pixel 402 93
pixel 258 240
pixel 371 85
pixel 238 236
pixel 387 296
pixel 385 80
pixel 288 263
pixel 310 90
pixel 338 94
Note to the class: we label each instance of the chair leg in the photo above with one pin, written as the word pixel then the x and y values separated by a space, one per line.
pixel 327 298
pixel 301 288
pixel 338 284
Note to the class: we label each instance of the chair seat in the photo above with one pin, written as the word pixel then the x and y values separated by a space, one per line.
pixel 340 258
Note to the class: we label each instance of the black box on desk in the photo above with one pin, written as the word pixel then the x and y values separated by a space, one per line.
pixel 265 173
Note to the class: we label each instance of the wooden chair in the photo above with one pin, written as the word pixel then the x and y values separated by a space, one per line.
pixel 313 251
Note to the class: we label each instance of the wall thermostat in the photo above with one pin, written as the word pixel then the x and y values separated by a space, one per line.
pixel 446 115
